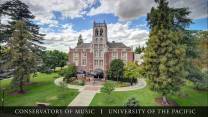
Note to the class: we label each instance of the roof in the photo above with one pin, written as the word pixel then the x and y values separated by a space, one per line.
pixel 84 45
pixel 110 45
pixel 116 45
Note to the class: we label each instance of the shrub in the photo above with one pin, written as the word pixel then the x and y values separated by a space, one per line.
pixel 81 82
pixel 129 80
pixel 132 102
pixel 108 88
pixel 201 86
pixel 68 72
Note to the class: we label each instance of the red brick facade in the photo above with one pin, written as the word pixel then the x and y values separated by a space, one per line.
pixel 99 53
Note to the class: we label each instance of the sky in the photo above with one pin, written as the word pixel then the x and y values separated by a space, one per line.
pixel 64 20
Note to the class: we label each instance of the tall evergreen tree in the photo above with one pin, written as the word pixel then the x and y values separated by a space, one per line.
pixel 165 53
pixel 80 40
pixel 22 57
pixel 18 10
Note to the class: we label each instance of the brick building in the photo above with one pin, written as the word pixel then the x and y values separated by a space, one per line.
pixel 99 53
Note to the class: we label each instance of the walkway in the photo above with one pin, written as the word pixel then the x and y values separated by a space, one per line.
pixel 140 84
pixel 85 96
pixel 88 91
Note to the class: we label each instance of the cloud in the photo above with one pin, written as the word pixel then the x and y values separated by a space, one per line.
pixel 132 9
pixel 116 32
pixel 198 8
pixel 44 9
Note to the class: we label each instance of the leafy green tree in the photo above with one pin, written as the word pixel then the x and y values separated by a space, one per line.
pixel 202 46
pixel 108 88
pixel 69 72
pixel 21 56
pixel 80 40
pixel 116 69
pixel 132 71
pixel 53 59
pixel 132 102
pixel 165 53
pixel 139 50
pixel 62 59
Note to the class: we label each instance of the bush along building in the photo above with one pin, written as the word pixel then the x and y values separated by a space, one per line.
pixel 98 54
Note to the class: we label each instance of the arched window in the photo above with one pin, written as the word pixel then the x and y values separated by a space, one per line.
pixel 101 32
pixel 96 32
pixel 101 39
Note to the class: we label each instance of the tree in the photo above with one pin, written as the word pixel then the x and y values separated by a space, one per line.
pixel 80 40
pixel 165 53
pixel 116 69
pixel 69 72
pixel 132 70
pixel 198 70
pixel 139 50
pixel 17 10
pixel 62 59
pixel 108 88
pixel 53 59
pixel 132 102
pixel 22 57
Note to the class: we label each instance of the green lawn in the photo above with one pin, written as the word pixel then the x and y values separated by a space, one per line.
pixel 43 89
pixel 146 97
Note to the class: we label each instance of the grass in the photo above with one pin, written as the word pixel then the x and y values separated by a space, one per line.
pixel 43 90
pixel 146 97
pixel 119 84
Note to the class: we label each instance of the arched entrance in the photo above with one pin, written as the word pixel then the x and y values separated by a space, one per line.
pixel 98 74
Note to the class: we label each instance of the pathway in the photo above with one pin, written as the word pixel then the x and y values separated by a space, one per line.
pixel 140 84
pixel 85 96
pixel 88 91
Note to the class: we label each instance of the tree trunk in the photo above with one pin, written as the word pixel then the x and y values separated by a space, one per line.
pixel 164 101
pixel 28 80
pixel 21 86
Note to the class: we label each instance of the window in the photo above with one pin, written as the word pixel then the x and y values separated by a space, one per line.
pixel 114 55
pixel 96 62
pixel 101 62
pixel 84 54
pixel 95 46
pixel 124 55
pixel 96 32
pixel 96 53
pixel 84 62
pixel 101 32
pixel 100 53
pixel 76 58
pixel 101 46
